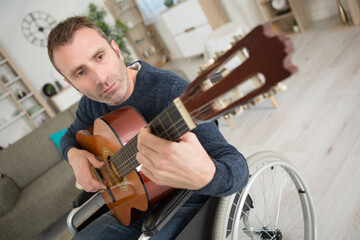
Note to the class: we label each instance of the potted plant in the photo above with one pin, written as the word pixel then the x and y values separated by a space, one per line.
pixel 116 32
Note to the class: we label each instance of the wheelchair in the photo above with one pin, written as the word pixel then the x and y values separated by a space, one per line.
pixel 275 204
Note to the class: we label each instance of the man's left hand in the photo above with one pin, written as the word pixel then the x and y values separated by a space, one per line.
pixel 182 164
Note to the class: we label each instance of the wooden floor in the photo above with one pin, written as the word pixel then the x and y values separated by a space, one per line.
pixel 317 125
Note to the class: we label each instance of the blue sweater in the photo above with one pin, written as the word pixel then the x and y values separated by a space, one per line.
pixel 155 89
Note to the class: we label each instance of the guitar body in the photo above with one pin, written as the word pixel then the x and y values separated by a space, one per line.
pixel 135 191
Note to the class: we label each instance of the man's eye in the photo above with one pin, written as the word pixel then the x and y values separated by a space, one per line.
pixel 100 56
pixel 80 73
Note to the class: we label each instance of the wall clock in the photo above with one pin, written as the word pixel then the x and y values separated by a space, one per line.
pixel 36 26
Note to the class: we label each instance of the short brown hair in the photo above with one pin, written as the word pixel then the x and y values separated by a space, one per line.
pixel 63 32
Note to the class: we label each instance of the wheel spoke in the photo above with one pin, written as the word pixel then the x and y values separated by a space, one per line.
pixel 279 210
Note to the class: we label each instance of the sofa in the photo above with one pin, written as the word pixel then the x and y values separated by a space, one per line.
pixel 36 185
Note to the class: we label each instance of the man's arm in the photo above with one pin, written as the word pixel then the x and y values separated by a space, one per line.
pixel 204 162
pixel 81 160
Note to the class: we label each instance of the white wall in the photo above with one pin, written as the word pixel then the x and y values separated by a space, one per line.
pixel 33 61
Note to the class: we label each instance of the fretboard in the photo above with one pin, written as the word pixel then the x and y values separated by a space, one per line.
pixel 169 125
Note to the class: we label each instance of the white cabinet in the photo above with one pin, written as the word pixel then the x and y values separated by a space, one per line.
pixel 65 98
pixel 188 26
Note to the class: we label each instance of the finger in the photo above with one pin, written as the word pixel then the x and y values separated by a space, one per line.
pixel 148 139
pixel 88 182
pixel 145 161
pixel 188 137
pixel 147 152
pixel 96 163
pixel 147 173
pixel 92 185
pixel 96 186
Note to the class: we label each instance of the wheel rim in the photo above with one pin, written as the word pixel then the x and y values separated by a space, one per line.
pixel 281 205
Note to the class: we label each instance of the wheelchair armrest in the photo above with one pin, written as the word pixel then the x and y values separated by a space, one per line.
pixel 165 211
pixel 81 198
pixel 80 215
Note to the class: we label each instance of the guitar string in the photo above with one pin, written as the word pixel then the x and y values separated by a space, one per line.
pixel 118 156
pixel 129 163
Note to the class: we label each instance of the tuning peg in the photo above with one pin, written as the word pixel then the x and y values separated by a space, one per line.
pixel 248 105
pixel 237 37
pixel 211 61
pixel 217 54
pixel 258 99
pixel 202 68
pixel 237 111
pixel 280 87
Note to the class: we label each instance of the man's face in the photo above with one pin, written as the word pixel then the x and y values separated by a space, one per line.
pixel 93 67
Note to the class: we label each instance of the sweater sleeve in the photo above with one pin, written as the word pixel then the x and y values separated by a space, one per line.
pixel 232 171
pixel 82 121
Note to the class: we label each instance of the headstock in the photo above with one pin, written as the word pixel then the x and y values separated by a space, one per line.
pixel 267 58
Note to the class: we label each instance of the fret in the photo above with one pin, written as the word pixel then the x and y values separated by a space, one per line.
pixel 172 122
pixel 169 125
pixel 165 131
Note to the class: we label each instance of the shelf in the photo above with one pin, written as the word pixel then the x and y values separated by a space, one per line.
pixel 132 5
pixel 3 61
pixel 12 81
pixel 37 113
pixel 264 1
pixel 137 24
pixel 281 17
pixel 4 96
pixel 23 99
pixel 137 35
pixel 14 119
pixel 283 23
pixel 353 15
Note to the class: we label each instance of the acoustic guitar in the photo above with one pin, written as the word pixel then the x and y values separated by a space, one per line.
pixel 113 138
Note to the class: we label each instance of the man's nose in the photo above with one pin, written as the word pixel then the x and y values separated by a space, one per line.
pixel 99 75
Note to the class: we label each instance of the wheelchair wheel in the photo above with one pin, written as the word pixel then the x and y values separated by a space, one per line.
pixel 275 204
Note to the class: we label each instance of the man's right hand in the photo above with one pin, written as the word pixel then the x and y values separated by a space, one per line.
pixel 80 161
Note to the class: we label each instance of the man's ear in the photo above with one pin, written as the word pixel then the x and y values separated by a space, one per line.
pixel 116 48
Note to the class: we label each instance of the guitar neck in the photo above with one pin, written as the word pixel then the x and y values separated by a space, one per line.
pixel 170 124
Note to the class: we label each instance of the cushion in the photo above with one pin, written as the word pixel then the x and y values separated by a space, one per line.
pixel 9 194
pixel 56 137
pixel 34 154
pixel 41 203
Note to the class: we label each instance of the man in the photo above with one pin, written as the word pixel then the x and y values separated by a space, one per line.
pixel 201 160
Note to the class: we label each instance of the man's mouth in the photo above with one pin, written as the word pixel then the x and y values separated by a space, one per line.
pixel 110 88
